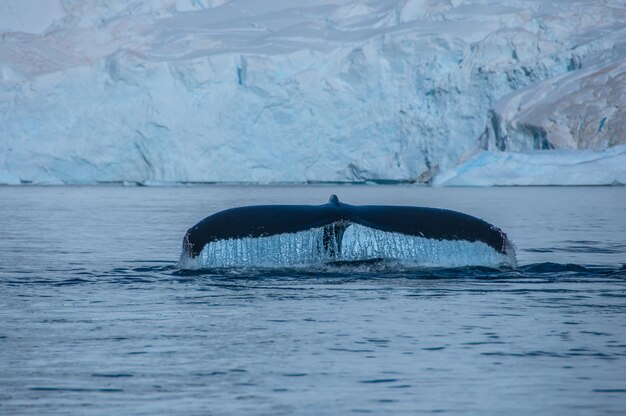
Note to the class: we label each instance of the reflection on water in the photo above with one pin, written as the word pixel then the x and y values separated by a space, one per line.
pixel 95 316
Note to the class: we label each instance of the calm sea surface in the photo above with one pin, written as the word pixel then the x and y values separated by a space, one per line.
pixel 95 318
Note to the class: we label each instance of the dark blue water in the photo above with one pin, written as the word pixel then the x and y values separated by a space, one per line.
pixel 95 318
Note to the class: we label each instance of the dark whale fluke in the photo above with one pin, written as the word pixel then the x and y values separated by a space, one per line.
pixel 335 217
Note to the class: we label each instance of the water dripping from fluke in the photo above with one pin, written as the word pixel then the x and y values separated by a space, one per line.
pixel 339 233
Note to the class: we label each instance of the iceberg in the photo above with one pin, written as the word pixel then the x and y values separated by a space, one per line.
pixel 172 91
pixel 540 167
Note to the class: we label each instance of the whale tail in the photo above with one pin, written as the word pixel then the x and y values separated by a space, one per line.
pixel 226 232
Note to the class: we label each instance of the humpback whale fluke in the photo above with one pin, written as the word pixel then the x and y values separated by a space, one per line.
pixel 334 218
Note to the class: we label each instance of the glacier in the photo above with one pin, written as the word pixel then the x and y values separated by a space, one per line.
pixel 280 91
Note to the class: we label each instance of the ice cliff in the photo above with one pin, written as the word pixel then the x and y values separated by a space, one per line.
pixel 295 91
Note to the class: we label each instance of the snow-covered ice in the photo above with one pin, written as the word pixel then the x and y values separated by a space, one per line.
pixel 539 167
pixel 324 90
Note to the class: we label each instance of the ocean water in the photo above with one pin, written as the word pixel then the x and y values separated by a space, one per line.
pixel 96 318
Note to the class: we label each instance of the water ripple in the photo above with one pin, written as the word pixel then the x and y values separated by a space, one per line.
pixel 340 273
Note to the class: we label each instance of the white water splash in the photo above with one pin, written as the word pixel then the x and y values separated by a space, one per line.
pixel 359 243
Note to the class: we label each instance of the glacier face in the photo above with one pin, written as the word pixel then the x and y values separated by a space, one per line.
pixel 323 90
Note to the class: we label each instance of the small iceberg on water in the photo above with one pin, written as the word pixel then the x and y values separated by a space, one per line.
pixel 539 168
